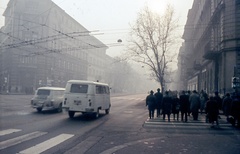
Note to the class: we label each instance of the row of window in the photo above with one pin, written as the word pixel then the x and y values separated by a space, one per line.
pixel 102 90
pixel 81 88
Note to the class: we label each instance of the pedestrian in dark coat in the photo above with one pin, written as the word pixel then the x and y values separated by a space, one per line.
pixel 188 95
pixel 195 103
pixel 212 111
pixel 184 106
pixel 235 110
pixel 175 106
pixel 151 103
pixel 167 105
pixel 218 99
pixel 159 97
pixel 203 99
pixel 226 105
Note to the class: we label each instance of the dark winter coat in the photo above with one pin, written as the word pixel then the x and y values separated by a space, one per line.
pixel 227 102
pixel 151 102
pixel 175 105
pixel 212 110
pixel 159 97
pixel 184 103
pixel 219 101
pixel 167 104
pixel 235 108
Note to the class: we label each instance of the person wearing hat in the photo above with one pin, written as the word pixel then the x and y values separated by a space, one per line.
pixel 167 106
pixel 212 111
pixel 218 99
pixel 151 103
pixel 159 97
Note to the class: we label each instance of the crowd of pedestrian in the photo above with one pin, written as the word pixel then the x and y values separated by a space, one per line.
pixel 193 103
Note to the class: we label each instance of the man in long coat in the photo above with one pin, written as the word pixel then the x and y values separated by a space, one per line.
pixel 184 106
pixel 212 111
pixel 218 100
pixel 195 103
pixel 235 110
pixel 159 97
pixel 151 103
pixel 167 105
pixel 226 105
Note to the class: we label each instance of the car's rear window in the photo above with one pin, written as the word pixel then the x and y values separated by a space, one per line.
pixel 79 88
pixel 43 92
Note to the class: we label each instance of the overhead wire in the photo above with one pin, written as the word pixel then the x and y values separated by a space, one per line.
pixel 69 36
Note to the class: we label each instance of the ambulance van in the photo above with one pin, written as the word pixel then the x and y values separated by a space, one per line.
pixel 86 97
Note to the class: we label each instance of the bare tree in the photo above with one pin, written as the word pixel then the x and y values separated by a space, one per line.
pixel 151 39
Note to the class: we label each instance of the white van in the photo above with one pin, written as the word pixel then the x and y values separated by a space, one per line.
pixel 86 97
pixel 48 98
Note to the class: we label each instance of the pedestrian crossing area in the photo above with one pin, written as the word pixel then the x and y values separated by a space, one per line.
pixel 189 126
pixel 6 144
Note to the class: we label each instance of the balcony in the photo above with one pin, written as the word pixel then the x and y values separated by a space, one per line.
pixel 197 65
pixel 210 55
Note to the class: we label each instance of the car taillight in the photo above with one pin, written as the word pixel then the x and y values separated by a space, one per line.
pixel 65 101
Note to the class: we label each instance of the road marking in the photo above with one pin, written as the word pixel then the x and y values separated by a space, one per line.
pixel 82 147
pixel 47 144
pixel 191 125
pixel 9 131
pixel 20 139
pixel 118 147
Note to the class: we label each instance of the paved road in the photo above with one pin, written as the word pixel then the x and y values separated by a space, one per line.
pixel 125 130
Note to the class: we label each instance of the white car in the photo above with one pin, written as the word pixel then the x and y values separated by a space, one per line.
pixel 48 98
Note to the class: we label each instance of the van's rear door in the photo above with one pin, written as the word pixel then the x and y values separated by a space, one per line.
pixel 78 97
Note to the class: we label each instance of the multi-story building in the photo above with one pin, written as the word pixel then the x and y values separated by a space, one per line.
pixel 41 45
pixel 210 56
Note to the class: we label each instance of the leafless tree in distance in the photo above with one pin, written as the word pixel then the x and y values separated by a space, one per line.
pixel 151 42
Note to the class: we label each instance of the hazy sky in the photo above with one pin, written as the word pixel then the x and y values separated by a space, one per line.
pixel 112 17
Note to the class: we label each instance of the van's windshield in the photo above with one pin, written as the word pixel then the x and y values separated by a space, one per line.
pixel 43 92
pixel 79 88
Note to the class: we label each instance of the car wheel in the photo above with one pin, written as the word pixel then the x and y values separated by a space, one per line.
pixel 39 109
pixel 71 114
pixel 96 115
pixel 107 111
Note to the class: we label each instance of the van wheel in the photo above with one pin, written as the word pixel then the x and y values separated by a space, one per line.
pixel 71 114
pixel 59 109
pixel 96 115
pixel 39 109
pixel 107 111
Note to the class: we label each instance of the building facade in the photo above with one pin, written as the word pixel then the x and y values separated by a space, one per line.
pixel 41 45
pixel 210 55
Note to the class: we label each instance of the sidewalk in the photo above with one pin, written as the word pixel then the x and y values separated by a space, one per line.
pixel 201 122
pixel 177 144
pixel 183 137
